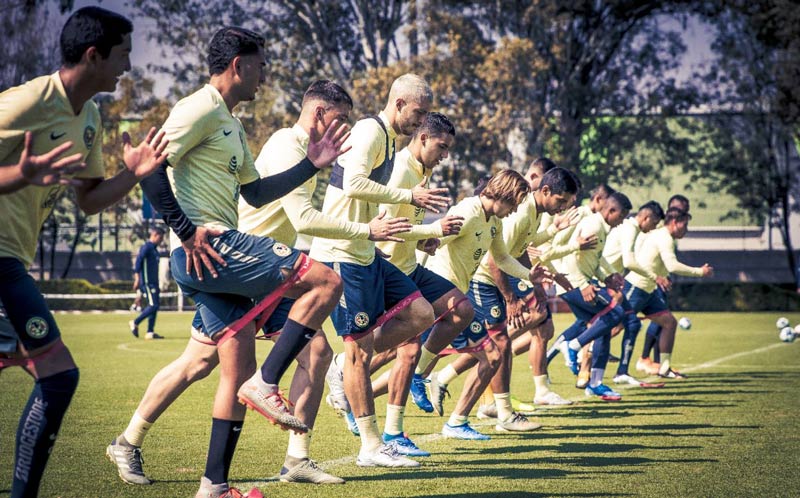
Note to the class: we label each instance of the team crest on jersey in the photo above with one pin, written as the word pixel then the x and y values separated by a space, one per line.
pixel 475 327
pixel 88 136
pixel 281 250
pixel 522 286
pixel 361 319
pixel 495 312
pixel 493 231
pixel 36 327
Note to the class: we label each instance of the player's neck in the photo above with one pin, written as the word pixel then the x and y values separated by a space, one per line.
pixel 488 206
pixel 78 86
pixel 227 89
pixel 391 115
pixel 415 148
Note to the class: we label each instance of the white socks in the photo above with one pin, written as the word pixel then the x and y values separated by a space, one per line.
pixel 136 430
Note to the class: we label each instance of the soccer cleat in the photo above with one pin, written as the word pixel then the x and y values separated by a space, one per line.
pixel 672 374
pixel 134 328
pixel 487 411
pixel 583 380
pixel 463 431
pixel 153 335
pixel 419 395
pixel 438 391
pixel 404 446
pixel 222 490
pixel 352 426
pixel 129 461
pixel 647 366
pixel 574 364
pixel 551 399
pixel 270 405
pixel 517 422
pixel 384 456
pixel 308 472
pixel 603 392
pixel 627 380
pixel 336 399
pixel 520 406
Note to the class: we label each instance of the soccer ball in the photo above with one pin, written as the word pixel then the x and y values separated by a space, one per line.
pixel 782 322
pixel 787 334
pixel 685 323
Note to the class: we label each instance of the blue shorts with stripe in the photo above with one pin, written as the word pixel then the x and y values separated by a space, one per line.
pixel 24 315
pixel 255 267
pixel 648 303
pixel 490 310
pixel 431 285
pixel 369 291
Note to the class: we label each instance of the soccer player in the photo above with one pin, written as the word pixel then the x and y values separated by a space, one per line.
pixel 282 220
pixel 657 256
pixel 596 310
pixel 619 252
pixel 212 166
pixel 457 260
pixel 40 120
pixel 145 280
pixel 413 166
pixel 552 192
pixel 381 307
pixel 47 168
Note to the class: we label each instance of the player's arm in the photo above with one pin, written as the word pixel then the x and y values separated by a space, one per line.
pixel 566 244
pixel 43 170
pixel 666 250
pixel 629 261
pixel 515 307
pixel 556 224
pixel 509 264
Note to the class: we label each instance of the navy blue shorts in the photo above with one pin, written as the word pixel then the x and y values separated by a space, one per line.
pixel 431 285
pixel 24 315
pixel 369 292
pixel 490 312
pixel 648 303
pixel 254 270
pixel 582 310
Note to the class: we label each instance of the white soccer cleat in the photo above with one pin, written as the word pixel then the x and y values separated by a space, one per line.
pixel 271 405
pixel 552 399
pixel 129 461
pixel 336 399
pixel 308 472
pixel 384 456
pixel 517 422
pixel 627 380
pixel 486 412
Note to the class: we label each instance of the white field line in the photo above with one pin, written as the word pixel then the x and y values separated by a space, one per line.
pixel 350 459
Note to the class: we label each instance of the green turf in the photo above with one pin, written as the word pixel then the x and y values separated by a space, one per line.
pixel 730 430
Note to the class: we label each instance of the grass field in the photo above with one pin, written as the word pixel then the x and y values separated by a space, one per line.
pixel 729 430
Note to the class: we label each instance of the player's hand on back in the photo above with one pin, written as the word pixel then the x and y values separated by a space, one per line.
pixel 568 218
pixel 429 198
pixel 143 159
pixel 451 225
pixel 49 168
pixel 708 270
pixel 323 150
pixel 382 228
pixel 589 293
pixel 664 283
pixel 200 253
pixel 586 243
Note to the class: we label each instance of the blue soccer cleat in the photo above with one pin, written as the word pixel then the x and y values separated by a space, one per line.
pixel 574 365
pixel 419 394
pixel 463 432
pixel 352 426
pixel 403 445
pixel 603 392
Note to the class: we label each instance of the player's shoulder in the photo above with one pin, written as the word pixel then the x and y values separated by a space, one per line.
pixel 199 105
pixel 27 97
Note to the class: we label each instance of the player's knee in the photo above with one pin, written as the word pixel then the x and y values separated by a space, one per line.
pixel 463 313
pixel 200 369
pixel 670 322
pixel 422 314
pixel 410 350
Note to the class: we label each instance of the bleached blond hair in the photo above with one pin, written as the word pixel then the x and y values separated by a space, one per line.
pixel 411 87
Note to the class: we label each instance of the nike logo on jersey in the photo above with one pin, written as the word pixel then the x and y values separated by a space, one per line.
pixel 227 132
pixel 56 136
pixel 478 234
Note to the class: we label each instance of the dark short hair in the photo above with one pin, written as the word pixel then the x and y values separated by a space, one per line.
pixel 621 200
pixel 436 123
pixel 230 42
pixel 654 208
pixel 679 198
pixel 92 27
pixel 543 164
pixel 676 214
pixel 603 188
pixel 559 181
pixel 328 92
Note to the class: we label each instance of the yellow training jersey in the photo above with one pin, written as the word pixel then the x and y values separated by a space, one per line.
pixel 407 173
pixel 520 229
pixel 621 247
pixel 41 106
pixel 293 213
pixel 460 255
pixel 564 243
pixel 657 255
pixel 209 157
pixel 582 266
pixel 353 196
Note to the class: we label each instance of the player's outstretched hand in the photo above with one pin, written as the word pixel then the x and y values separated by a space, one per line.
pixel 568 218
pixel 382 228
pixel 49 168
pixel 563 281
pixel 589 293
pixel 429 198
pixel 199 252
pixel 323 150
pixel 708 270
pixel 143 159
pixel 516 310
pixel 534 253
pixel 429 246
pixel 451 224
pixel 539 274
pixel 586 243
